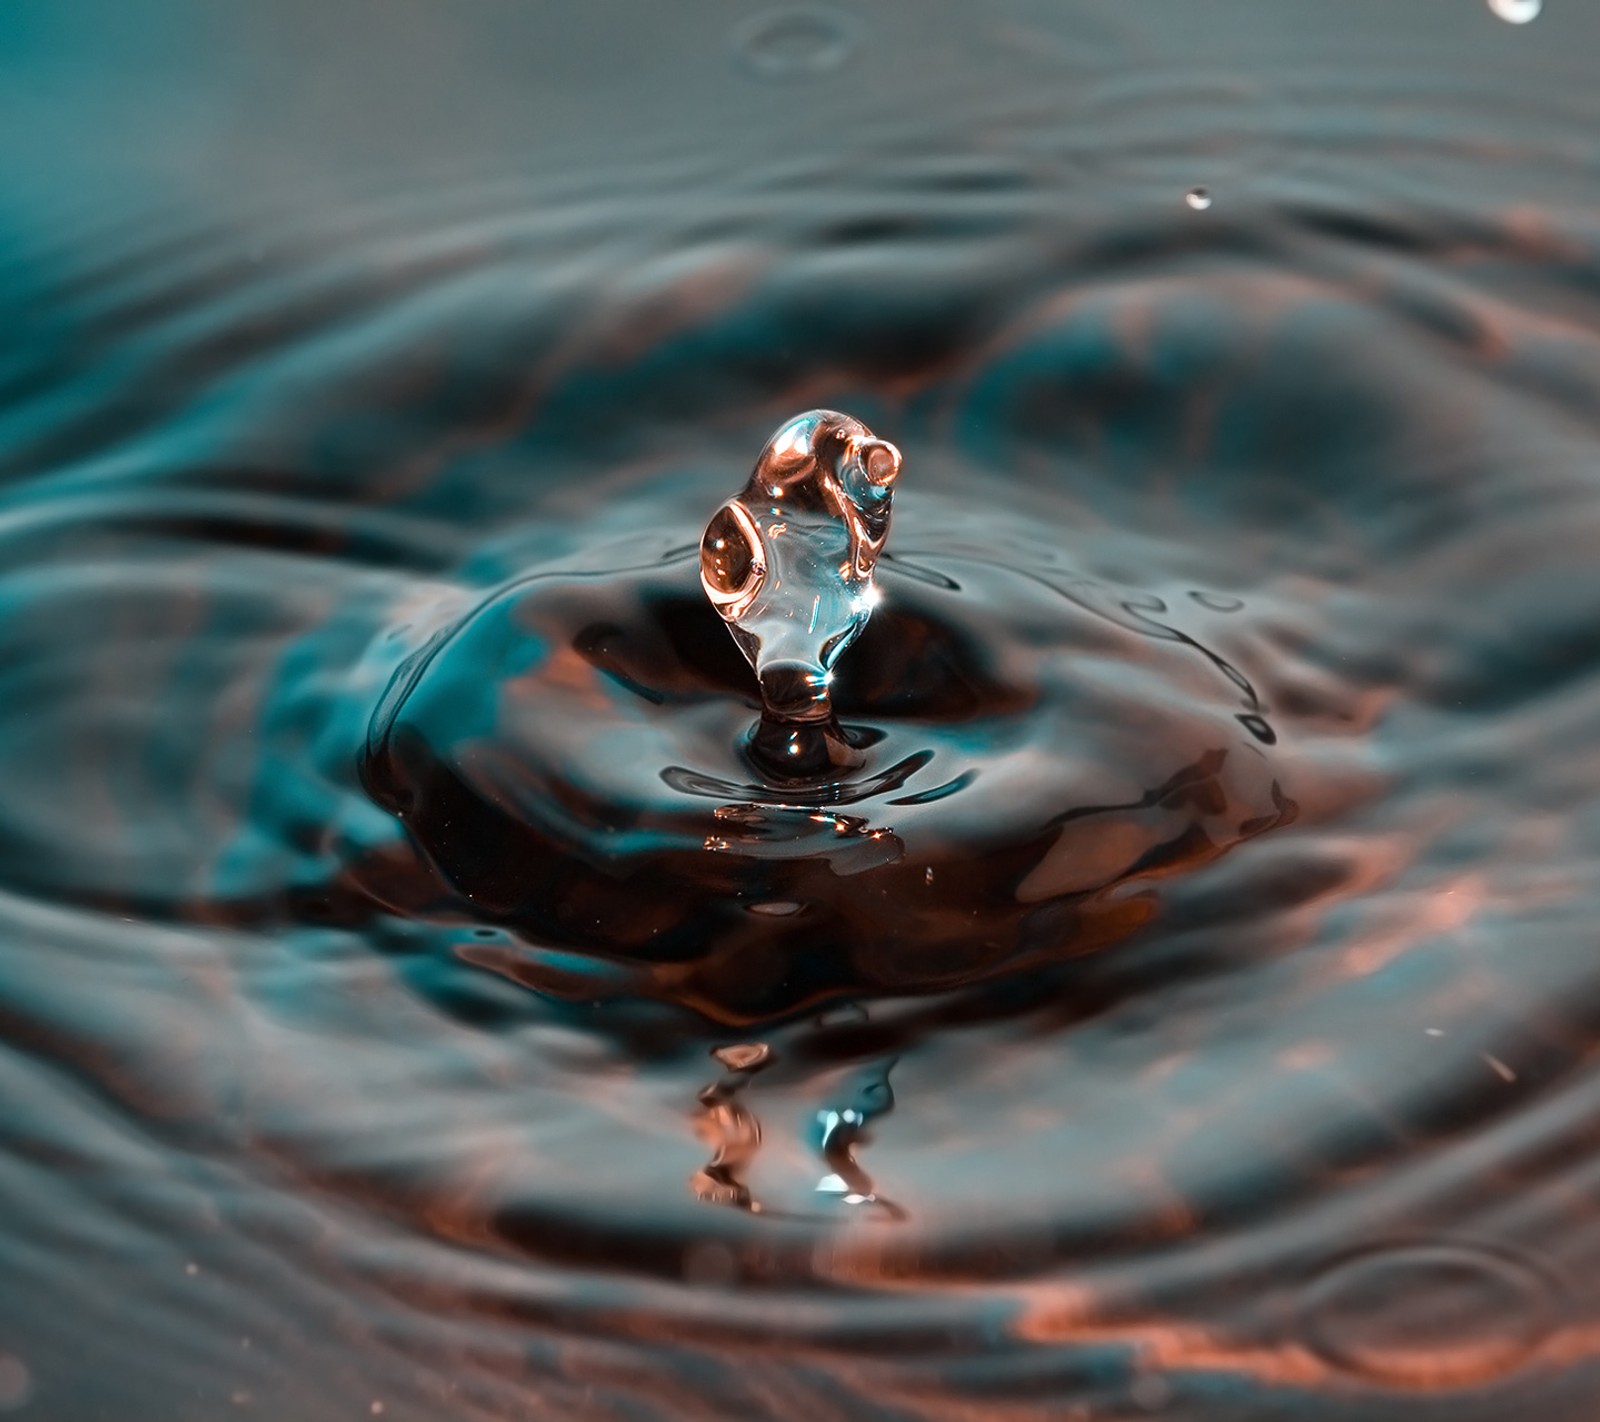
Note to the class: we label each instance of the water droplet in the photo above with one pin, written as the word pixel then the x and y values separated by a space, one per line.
pixel 1198 198
pixel 1436 1315
pixel 927 875
pixel 795 42
pixel 797 590
pixel 1517 12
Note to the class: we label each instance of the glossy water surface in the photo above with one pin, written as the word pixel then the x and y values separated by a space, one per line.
pixel 413 1000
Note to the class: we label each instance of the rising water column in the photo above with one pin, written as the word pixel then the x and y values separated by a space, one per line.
pixel 788 563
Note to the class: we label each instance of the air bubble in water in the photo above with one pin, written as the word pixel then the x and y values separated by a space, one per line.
pixel 1198 198
pixel 1517 12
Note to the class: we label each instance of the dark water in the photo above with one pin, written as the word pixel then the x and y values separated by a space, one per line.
pixel 410 1003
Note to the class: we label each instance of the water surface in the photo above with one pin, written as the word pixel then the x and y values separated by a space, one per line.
pixel 1236 678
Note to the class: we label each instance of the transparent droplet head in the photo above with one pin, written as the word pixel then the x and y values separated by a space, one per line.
pixel 788 562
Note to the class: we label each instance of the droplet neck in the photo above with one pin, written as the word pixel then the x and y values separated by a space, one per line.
pixel 800 753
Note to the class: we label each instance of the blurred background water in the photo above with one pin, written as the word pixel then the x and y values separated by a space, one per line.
pixel 1245 359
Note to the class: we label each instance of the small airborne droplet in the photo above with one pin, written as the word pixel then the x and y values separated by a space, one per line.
pixel 1517 12
pixel 1198 198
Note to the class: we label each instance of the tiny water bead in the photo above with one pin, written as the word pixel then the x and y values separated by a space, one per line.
pixel 789 564
pixel 1517 12
pixel 1198 198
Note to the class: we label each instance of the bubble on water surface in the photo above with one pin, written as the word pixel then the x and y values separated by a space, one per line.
pixel 1516 12
pixel 1430 1315
pixel 1198 198
pixel 795 43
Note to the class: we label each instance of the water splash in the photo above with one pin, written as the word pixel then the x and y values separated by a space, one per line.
pixel 788 564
